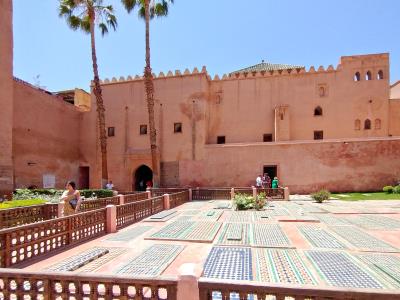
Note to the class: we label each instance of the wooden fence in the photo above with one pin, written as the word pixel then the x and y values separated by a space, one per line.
pixel 211 194
pixel 88 205
pixel 177 199
pixel 135 197
pixel 19 284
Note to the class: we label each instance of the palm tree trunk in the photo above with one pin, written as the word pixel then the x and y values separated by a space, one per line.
pixel 149 86
pixel 100 105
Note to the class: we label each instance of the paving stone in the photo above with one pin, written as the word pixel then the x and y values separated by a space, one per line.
pixel 153 261
pixel 282 266
pixel 388 266
pixel 269 235
pixel 361 239
pixel 234 263
pixel 339 270
pixel 77 261
pixel 320 238
pixel 130 234
pixel 226 231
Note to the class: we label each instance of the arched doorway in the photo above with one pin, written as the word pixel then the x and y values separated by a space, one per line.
pixel 142 175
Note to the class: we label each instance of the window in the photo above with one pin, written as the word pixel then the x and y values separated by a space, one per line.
pixel 357 124
pixel 367 124
pixel 221 139
pixel 377 123
pixel 318 111
pixel 111 131
pixel 357 76
pixel 380 75
pixel 177 127
pixel 318 135
pixel 321 91
pixel 267 137
pixel 143 129
pixel 368 76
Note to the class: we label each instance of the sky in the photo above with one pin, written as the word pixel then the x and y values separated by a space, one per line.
pixel 224 35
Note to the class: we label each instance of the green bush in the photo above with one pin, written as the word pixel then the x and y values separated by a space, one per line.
pixel 321 196
pixel 20 203
pixel 53 195
pixel 243 201
pixel 396 189
pixel 260 201
pixel 388 189
pixel 96 193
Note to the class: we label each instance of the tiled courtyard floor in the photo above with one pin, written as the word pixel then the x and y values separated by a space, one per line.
pixel 334 244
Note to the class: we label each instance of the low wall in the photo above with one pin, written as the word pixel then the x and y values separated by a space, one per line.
pixel 304 167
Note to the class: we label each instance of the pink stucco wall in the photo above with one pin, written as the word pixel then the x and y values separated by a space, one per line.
pixel 6 97
pixel 46 137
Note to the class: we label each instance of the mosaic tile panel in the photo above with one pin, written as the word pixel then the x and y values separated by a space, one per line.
pixel 77 261
pixel 332 220
pixel 203 231
pixel 235 232
pixel 361 239
pixel 386 265
pixel 339 270
pixel 174 230
pixel 153 261
pixel 184 218
pixel 386 222
pixel 190 212
pixel 210 215
pixel 226 231
pixel 223 205
pixel 241 217
pixel 312 208
pixel 233 263
pixel 127 235
pixel 282 266
pixel 269 235
pixel 363 222
pixel 279 212
pixel 193 205
pixel 320 238
pixel 163 214
pixel 101 261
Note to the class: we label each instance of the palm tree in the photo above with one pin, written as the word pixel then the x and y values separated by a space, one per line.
pixel 85 15
pixel 148 9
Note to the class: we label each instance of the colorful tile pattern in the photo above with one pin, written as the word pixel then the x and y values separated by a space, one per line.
pixel 320 238
pixel 210 215
pixel 233 263
pixel 101 261
pixel 269 235
pixel 241 216
pixel 127 235
pixel 153 261
pixel 339 270
pixel 226 231
pixel 361 239
pixel 385 222
pixel 282 266
pixel 332 220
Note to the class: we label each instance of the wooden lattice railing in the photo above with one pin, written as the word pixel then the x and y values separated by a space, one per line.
pixel 277 194
pixel 17 284
pixel 177 199
pixel 155 192
pixel 23 243
pixel 26 215
pixel 211 194
pixel 135 197
pixel 223 289
pixel 87 205
pixel 133 212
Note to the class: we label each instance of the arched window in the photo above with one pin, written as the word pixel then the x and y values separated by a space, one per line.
pixel 380 75
pixel 377 123
pixel 367 124
pixel 357 76
pixel 357 124
pixel 321 91
pixel 318 111
pixel 368 76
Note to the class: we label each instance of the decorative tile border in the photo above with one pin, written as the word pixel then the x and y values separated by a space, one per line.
pixel 269 235
pixel 339 270
pixel 233 263
pixel 282 266
pixel 153 261
pixel 320 238
pixel 362 240
pixel 129 234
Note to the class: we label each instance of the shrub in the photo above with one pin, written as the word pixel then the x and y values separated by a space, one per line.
pixel 396 189
pixel 388 189
pixel 20 203
pixel 96 193
pixel 321 196
pixel 243 202
pixel 260 201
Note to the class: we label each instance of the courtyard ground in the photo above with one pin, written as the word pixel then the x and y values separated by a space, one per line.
pixel 334 244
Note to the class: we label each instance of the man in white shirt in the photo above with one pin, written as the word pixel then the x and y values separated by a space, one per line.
pixel 109 185
pixel 259 181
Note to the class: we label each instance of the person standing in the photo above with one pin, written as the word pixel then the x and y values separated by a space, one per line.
pixel 259 181
pixel 71 198
pixel 275 183
pixel 109 185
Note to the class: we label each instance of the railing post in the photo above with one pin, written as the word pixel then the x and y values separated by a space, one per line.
pixel 286 194
pixel 121 199
pixel 60 209
pixel 111 218
pixel 187 283
pixel 167 204
pixel 190 195
pixel 254 192
pixel 148 194
pixel 232 193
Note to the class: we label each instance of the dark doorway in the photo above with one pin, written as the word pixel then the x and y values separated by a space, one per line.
pixel 271 171
pixel 143 175
pixel 83 177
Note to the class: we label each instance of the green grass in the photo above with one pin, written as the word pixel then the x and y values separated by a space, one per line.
pixel 20 203
pixel 366 196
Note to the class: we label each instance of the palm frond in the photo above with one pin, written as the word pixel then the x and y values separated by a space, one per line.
pixel 74 22
pixel 129 4
pixel 103 28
